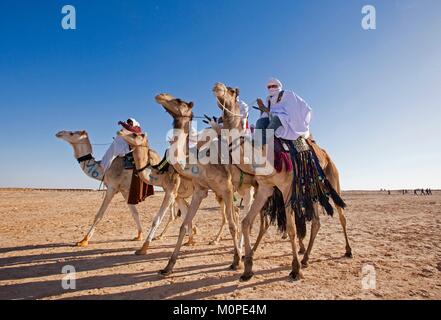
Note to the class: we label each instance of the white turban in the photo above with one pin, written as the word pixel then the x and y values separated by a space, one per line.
pixel 135 123
pixel 274 81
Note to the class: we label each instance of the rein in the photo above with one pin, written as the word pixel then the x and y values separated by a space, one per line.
pixel 225 109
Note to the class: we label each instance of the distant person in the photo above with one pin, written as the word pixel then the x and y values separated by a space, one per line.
pixel 120 147
pixel 415 192
pixel 422 192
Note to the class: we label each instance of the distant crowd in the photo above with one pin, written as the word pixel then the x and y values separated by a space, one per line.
pixel 422 192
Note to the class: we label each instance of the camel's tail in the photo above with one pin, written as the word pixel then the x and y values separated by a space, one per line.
pixel 275 209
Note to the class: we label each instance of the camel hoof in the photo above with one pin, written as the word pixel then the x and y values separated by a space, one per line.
pixel 164 272
pixel 138 238
pixel 189 244
pixel 157 238
pixel 234 267
pixel 295 276
pixel 304 264
pixel 141 252
pixel 83 243
pixel 246 277
pixel 348 254
pixel 285 236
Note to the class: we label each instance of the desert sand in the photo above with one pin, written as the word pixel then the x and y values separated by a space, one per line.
pixel 396 237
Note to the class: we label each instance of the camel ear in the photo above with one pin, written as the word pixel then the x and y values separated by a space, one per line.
pixel 143 135
pixel 83 133
pixel 237 91
pixel 190 104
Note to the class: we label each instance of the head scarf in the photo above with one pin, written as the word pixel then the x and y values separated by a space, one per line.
pixel 274 91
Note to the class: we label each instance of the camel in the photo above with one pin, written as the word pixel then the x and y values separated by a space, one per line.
pixel 226 99
pixel 117 179
pixel 175 186
pixel 216 177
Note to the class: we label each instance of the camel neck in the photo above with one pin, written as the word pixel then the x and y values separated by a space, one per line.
pixel 141 157
pixel 90 167
pixel 231 120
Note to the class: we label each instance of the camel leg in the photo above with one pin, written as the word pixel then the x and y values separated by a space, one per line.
pixel 224 219
pixel 315 227
pixel 198 195
pixel 343 224
pixel 264 225
pixel 166 203
pixel 296 273
pixel 234 230
pixel 302 249
pixel 135 216
pixel 110 193
pixel 191 230
pixel 171 218
pixel 333 177
pixel 263 193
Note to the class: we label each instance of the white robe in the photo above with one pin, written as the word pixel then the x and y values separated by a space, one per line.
pixel 118 148
pixel 244 110
pixel 294 114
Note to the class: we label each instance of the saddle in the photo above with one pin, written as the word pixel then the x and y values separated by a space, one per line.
pixel 129 161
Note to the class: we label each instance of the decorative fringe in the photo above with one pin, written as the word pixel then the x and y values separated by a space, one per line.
pixel 335 196
pixel 300 225
pixel 275 209
pixel 310 185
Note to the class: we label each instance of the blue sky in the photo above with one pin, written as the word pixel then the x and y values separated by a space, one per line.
pixel 375 94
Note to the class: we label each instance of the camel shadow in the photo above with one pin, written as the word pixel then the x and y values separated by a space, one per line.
pixel 196 287
pixel 49 288
pixel 44 265
pixel 35 247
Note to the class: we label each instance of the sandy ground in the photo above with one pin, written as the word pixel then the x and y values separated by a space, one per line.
pixel 397 238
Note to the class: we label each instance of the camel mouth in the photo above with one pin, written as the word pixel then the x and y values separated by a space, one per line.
pixel 165 100
pixel 219 89
pixel 60 134
pixel 164 97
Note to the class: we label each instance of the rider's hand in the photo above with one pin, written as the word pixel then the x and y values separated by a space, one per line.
pixel 260 103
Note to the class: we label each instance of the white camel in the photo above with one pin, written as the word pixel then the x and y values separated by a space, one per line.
pixel 116 179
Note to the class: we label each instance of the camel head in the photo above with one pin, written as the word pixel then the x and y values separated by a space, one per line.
pixel 225 96
pixel 177 108
pixel 79 140
pixel 73 137
pixel 134 139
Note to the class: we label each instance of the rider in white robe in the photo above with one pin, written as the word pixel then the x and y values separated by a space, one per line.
pixel 290 114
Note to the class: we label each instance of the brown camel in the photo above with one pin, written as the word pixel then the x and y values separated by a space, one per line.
pixel 117 179
pixel 216 177
pixel 226 98
pixel 181 111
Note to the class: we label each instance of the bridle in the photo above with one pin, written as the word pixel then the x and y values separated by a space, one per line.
pixel 148 159
pixel 223 105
